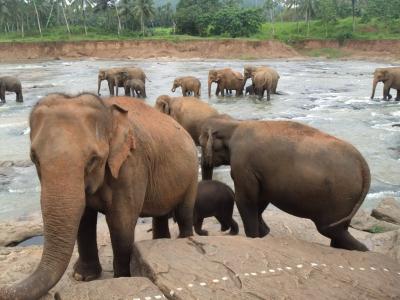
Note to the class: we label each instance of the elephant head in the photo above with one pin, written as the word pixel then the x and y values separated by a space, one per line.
pixel 380 75
pixel 163 104
pixel 248 72
pixel 177 83
pixel 102 76
pixel 214 141
pixel 88 140
pixel 212 77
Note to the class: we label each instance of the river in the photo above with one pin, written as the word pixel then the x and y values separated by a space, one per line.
pixel 330 95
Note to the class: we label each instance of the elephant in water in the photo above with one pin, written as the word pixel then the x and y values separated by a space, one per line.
pixel 190 112
pixel 297 168
pixel 10 84
pixel 188 84
pixel 102 158
pixel 227 79
pixel 390 78
pixel 250 70
pixel 135 86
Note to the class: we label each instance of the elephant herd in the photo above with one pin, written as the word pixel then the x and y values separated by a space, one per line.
pixel 125 159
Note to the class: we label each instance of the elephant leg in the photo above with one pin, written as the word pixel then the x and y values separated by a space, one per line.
pixel 386 92
pixel 184 212
pixel 262 226
pixel 87 267
pixel 2 94
pixel 398 95
pixel 246 188
pixel 127 92
pixel 268 94
pixel 111 89
pixel 341 237
pixel 160 227
pixel 19 97
pixel 218 90
pixel 198 223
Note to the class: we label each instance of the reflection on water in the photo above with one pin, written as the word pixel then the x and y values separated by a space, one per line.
pixel 330 95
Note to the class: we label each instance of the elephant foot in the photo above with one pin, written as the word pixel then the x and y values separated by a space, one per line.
pixel 397 99
pixel 202 232
pixel 86 271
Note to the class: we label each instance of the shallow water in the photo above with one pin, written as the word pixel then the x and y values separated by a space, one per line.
pixel 330 95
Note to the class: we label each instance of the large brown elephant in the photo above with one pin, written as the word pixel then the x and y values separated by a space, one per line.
pixel 128 74
pixel 391 80
pixel 10 84
pixel 107 74
pixel 226 79
pixel 190 112
pixel 297 168
pixel 250 70
pixel 263 81
pixel 119 157
pixel 188 84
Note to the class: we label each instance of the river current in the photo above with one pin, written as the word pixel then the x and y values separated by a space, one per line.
pixel 330 95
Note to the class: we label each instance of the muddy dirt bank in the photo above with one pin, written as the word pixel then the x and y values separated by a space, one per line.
pixel 382 50
pixel 147 49
pixel 385 50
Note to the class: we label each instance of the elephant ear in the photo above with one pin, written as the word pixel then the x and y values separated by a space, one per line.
pixel 206 141
pixel 122 140
pixel 165 107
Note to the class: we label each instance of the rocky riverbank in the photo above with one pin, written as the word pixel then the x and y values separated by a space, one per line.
pixel 292 242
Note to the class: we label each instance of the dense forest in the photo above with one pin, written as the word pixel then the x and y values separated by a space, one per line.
pixel 260 19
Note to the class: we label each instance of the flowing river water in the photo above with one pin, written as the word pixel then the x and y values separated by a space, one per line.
pixel 330 95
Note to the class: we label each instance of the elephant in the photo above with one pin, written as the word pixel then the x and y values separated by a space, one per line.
pixel 250 90
pixel 108 74
pixel 128 73
pixel 297 168
pixel 226 79
pixel 114 145
pixel 250 70
pixel 214 199
pixel 135 86
pixel 188 84
pixel 189 112
pixel 262 81
pixel 391 79
pixel 10 84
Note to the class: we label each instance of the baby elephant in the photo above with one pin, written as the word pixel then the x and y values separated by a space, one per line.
pixel 249 90
pixel 10 84
pixel 216 199
pixel 137 86
pixel 188 84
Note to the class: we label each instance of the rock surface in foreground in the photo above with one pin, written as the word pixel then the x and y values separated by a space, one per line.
pixel 112 289
pixel 268 268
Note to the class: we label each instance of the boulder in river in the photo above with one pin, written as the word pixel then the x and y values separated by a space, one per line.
pixel 388 210
pixel 365 222
pixel 12 233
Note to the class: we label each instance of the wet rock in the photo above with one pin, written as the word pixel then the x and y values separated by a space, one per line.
pixel 12 233
pixel 365 222
pixel 268 268
pixel 388 210
pixel 116 288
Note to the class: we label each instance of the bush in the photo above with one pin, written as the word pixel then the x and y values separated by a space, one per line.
pixel 236 22
pixel 341 37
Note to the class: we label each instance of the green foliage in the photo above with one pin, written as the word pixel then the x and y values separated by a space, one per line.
pixel 236 22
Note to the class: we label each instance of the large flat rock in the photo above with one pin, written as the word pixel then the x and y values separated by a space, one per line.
pixel 269 268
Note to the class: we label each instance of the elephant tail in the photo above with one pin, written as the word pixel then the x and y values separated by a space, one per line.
pixel 366 182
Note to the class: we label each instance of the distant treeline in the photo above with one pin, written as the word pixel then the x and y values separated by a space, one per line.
pixel 228 18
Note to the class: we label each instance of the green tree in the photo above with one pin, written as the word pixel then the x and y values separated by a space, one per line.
pixel 143 9
pixel 308 8
pixel 326 11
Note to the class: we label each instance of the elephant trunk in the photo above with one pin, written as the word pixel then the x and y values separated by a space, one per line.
pixel 63 203
pixel 374 84
pixel 209 87
pixel 207 159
